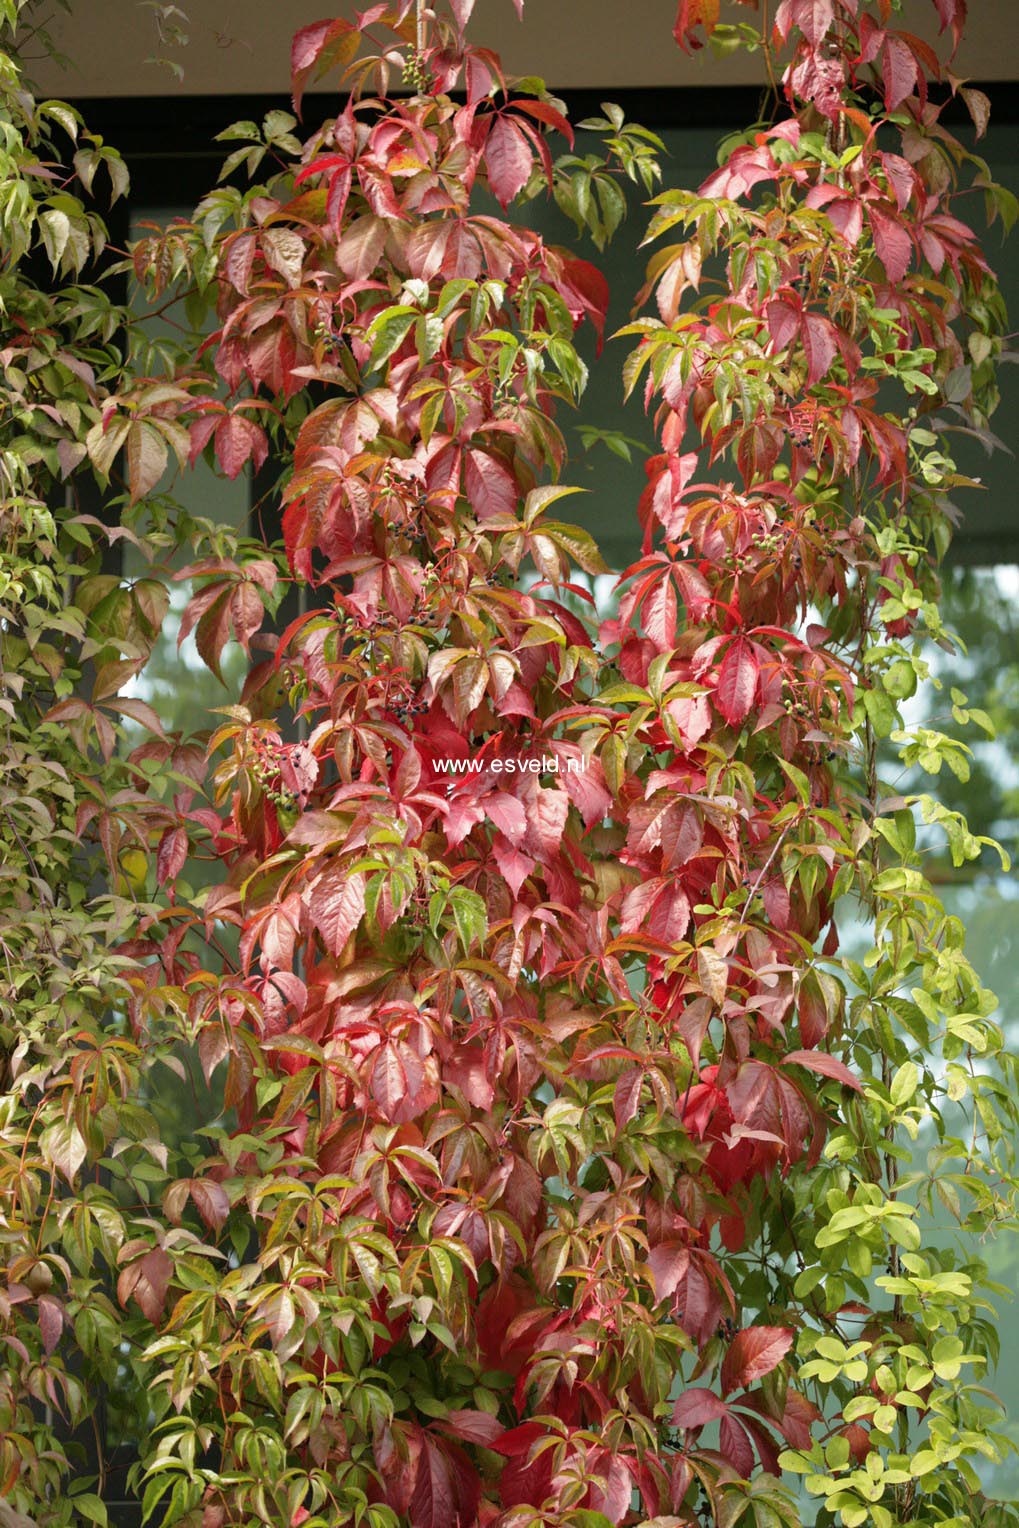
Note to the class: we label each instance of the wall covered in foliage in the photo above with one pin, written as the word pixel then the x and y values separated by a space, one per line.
pixel 540 1157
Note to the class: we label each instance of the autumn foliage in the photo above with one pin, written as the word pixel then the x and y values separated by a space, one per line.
pixel 554 1173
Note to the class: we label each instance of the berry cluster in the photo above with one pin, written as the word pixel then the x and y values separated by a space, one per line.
pixel 266 769
pixel 403 709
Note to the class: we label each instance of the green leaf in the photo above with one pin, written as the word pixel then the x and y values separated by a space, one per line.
pixel 905 1083
pixel 63 1146
pixel 88 1505
pixel 387 333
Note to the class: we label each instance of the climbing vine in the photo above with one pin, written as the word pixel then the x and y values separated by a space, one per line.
pixel 558 1165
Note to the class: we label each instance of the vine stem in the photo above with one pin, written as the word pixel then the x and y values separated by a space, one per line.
pixel 766 50
pixel 420 9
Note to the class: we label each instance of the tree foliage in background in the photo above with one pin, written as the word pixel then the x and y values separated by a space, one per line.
pixel 556 1168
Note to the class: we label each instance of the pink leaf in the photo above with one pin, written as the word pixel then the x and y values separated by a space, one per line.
pixel 548 810
pixel 813 17
pixel 509 159
pixel 697 1407
pixel 892 242
pixel 462 11
pixel 51 1321
pixel 336 907
pixel 826 1065
pixel 316 47
pixel 278 1314
pixel 819 346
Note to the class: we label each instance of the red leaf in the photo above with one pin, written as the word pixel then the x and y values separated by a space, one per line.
pixel 489 485
pixel 797 1419
pixel 316 48
pixel 171 854
pixel 659 614
pixel 246 613
pixel 547 816
pixel 514 865
pixel 212 632
pixel 399 1465
pixel 586 293
pixel 585 787
pixel 547 114
pixel 472 1426
pixel 213 1047
pixel 51 1321
pixel 812 1008
pixel 753 1352
pixel 692 716
pixel 669 1264
pixel 509 159
pixel 626 1097
pixel 979 107
pixel 735 1446
pixel 697 1304
pixel 819 346
pixel 211 1201
pixel 893 244
pixel 825 1064
pixel 697 1407
pixel 783 322
pixel 239 260
pixel 952 13
pixel 237 439
pixel 694 588
pixel 434 1502
pixel 737 681
pixel 358 252
pixel 900 71
pixel 515 1442
pixel 691 14
pixel 398 1083
pixel 147 1280
pixel 613 1498
pixel 661 904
